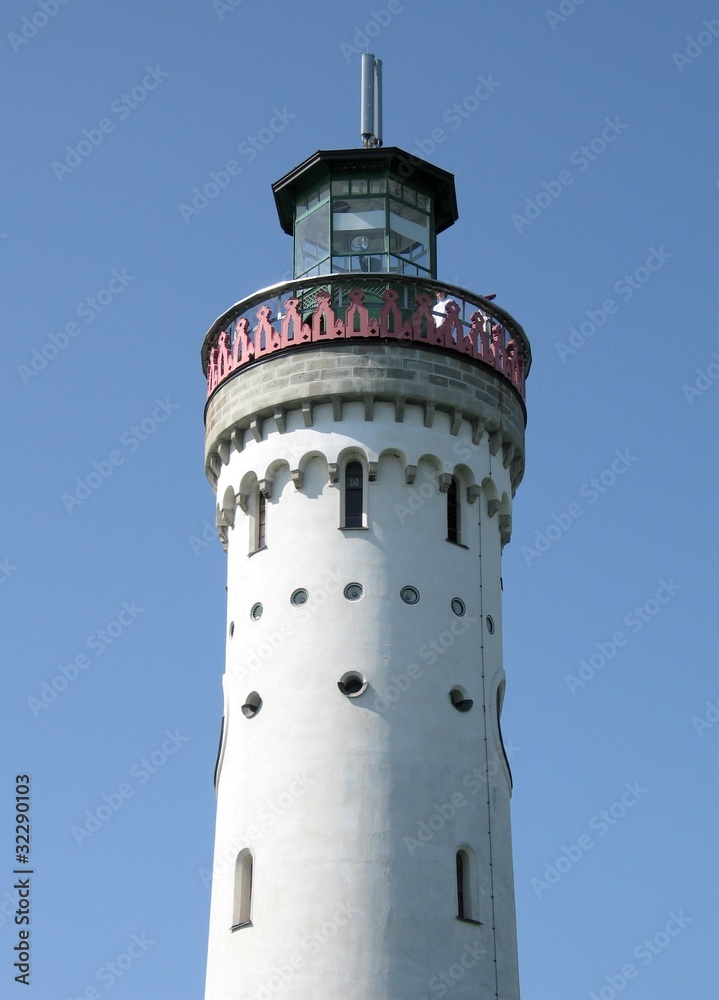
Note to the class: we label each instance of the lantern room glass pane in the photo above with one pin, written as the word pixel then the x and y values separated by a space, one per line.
pixel 358 227
pixel 409 231
pixel 312 239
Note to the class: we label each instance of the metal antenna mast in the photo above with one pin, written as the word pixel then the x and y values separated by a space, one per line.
pixel 371 112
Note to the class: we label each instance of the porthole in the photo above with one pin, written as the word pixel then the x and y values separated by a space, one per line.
pixel 353 591
pixel 253 703
pixel 458 607
pixel 256 612
pixel 299 597
pixel 232 629
pixel 410 595
pixel 459 699
pixel 490 624
pixel 352 684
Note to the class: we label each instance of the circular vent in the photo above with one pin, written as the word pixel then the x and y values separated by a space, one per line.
pixel 256 612
pixel 253 703
pixel 299 597
pixel 410 595
pixel 352 684
pixel 459 699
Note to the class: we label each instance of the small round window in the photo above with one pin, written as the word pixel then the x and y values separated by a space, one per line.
pixel 353 591
pixel 299 598
pixel 253 703
pixel 458 607
pixel 490 624
pixel 352 684
pixel 410 595
pixel 256 612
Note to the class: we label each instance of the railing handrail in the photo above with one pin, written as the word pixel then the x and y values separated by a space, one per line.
pixel 357 280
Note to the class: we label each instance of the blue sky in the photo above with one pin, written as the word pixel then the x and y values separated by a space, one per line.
pixel 587 183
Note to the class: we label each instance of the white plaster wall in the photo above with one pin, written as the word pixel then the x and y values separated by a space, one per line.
pixel 330 792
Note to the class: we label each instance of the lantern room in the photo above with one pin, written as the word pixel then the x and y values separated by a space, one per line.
pixel 365 211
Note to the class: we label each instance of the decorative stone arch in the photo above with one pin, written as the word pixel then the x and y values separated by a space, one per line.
pixel 273 472
pixel 226 509
pixel 435 464
pixel 392 455
pixel 248 484
pixel 298 474
pixel 488 491
pixel 505 518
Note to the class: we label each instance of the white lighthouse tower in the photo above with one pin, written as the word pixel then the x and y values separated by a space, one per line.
pixel 365 437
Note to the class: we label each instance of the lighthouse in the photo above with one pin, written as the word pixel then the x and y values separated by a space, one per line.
pixel 364 438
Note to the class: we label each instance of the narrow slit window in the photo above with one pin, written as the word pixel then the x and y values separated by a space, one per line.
pixel 242 910
pixel 261 520
pixel 354 495
pixel 465 895
pixel 461 865
pixel 453 511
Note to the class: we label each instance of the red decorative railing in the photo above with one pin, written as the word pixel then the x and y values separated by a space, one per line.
pixel 340 308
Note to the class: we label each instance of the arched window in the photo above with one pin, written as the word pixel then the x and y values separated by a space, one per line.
pixel 354 495
pixel 466 906
pixel 242 907
pixel 453 511
pixel 261 521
